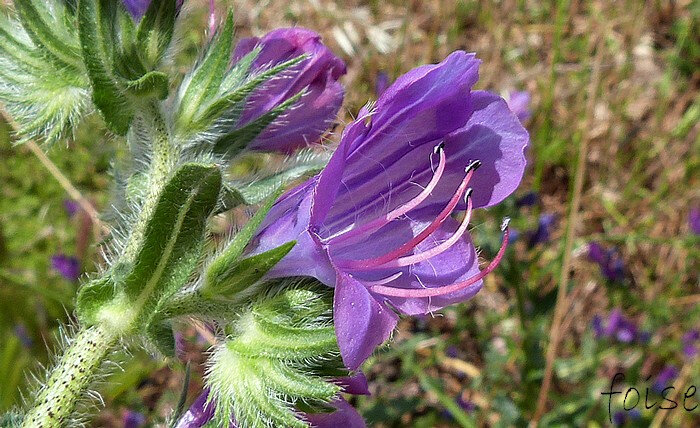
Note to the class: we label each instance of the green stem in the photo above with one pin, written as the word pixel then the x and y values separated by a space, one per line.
pixel 57 400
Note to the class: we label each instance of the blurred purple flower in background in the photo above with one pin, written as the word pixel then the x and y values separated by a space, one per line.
pixel 543 232
pixel 23 335
pixel 376 223
pixel 199 413
pixel 382 83
pixel 667 375
pixel 618 327
pixel 68 267
pixel 527 200
pixel 71 206
pixel 690 345
pixel 694 220
pixel 611 264
pixel 519 103
pixel 315 112
pixel 622 416
pixel 132 419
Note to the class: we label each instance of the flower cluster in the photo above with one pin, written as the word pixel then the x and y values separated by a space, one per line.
pixel 619 328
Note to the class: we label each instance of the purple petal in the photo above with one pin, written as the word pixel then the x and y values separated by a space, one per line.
pixel 198 414
pixel 542 233
pixel 596 253
pixel 313 115
pixel 597 325
pixel 68 267
pixel 23 335
pixel 519 103
pixel 355 384
pixel 380 157
pixel 458 263
pixel 137 8
pixel 614 322
pixel 345 416
pixel 361 322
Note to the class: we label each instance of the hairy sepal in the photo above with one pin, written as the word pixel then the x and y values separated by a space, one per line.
pixel 121 71
pixel 155 31
pixel 46 97
pixel 271 367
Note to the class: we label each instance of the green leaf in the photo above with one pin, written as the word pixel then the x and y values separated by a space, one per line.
pixel 92 297
pixel 160 334
pixel 174 235
pixel 234 142
pixel 204 81
pixel 153 83
pixel 219 267
pixel 46 25
pixel 302 165
pixel 155 31
pixel 43 95
pixel 259 373
pixel 95 17
pixel 244 273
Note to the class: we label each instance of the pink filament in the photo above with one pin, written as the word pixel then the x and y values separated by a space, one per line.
pixel 408 246
pixel 398 212
pixel 383 280
pixel 438 249
pixel 382 261
pixel 441 291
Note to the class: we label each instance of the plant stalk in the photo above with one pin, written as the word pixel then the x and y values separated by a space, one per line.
pixel 56 402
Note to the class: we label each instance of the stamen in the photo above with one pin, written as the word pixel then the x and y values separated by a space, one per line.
pixel 408 246
pixel 383 281
pixel 438 249
pixel 398 212
pixel 441 291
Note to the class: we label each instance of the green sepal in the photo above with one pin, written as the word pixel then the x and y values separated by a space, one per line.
pixel 237 95
pixel 155 31
pixel 92 297
pixel 160 334
pixel 234 142
pixel 95 20
pixel 49 29
pixel 173 235
pixel 204 81
pixel 256 385
pixel 244 273
pixel 152 84
pixel 219 267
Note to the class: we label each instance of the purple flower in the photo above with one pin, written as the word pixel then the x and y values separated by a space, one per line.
pixel 694 220
pixel 382 83
pixel 376 222
pixel 201 412
pixel 542 233
pixel 618 327
pixel 690 339
pixel 315 112
pixel 68 267
pixel 667 375
pixel 611 264
pixel 137 8
pixel 71 207
pixel 527 200
pixel 519 103
pixel 133 419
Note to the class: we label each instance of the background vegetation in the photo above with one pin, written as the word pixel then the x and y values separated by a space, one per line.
pixel 614 161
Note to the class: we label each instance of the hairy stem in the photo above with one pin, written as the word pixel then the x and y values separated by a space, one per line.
pixel 57 400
